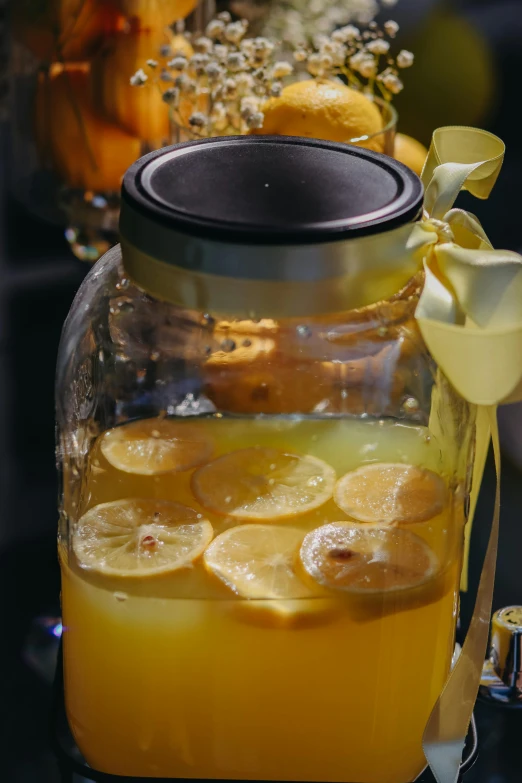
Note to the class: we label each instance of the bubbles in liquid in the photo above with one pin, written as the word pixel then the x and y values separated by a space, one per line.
pixel 121 596
pixel 208 320
pixel 208 350
pixel 382 331
pixel 155 355
pixel 246 343
pixel 411 405
pixel 228 345
pixel 122 284
pixel 126 306
pixel 304 331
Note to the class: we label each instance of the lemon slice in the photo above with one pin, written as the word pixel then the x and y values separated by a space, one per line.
pixel 263 484
pixel 391 493
pixel 139 538
pixel 355 559
pixel 153 446
pixel 258 561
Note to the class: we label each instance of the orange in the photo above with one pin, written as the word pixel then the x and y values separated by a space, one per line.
pixel 323 109
pixel 156 14
pixel 410 152
pixel 68 30
pixel 87 151
pixel 139 110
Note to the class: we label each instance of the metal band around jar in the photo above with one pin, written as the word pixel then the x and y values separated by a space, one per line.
pixel 271 281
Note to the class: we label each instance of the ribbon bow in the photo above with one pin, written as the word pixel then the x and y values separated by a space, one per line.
pixel 470 313
pixel 470 316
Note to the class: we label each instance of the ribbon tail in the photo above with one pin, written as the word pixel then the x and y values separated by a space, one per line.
pixel 487 283
pixel 447 726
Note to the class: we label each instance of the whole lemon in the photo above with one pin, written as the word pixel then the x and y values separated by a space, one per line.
pixel 323 109
pixel 410 152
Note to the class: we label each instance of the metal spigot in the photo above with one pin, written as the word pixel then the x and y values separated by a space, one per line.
pixel 502 674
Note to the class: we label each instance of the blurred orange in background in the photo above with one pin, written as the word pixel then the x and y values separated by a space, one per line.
pixel 140 111
pixel 65 29
pixel 155 14
pixel 86 151
pixel 91 124
pixel 410 152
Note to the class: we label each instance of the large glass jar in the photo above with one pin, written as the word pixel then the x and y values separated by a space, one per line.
pixel 265 474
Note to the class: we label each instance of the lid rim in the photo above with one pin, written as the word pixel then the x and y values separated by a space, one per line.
pixel 137 193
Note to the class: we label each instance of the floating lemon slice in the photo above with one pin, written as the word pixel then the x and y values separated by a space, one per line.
pixel 391 493
pixel 263 484
pixel 355 559
pixel 257 561
pixel 140 538
pixel 155 446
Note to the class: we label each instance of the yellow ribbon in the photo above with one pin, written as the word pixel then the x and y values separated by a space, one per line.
pixel 470 316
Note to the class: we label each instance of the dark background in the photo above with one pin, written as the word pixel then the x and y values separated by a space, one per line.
pixel 38 279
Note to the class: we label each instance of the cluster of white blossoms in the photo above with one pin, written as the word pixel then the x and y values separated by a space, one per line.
pixel 220 89
pixel 295 21
pixel 362 56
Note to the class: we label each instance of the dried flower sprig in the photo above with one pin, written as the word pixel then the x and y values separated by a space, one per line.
pixel 362 56
pixel 221 88
pixel 297 21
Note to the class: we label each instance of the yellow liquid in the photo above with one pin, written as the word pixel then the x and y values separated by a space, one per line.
pixel 176 677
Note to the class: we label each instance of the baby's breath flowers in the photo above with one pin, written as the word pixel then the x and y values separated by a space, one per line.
pixel 295 21
pixel 221 88
pixel 218 82
pixel 362 56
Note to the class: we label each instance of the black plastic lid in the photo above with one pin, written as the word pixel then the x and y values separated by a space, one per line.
pixel 269 190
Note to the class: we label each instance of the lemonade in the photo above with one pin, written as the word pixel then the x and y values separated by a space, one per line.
pixel 267 598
